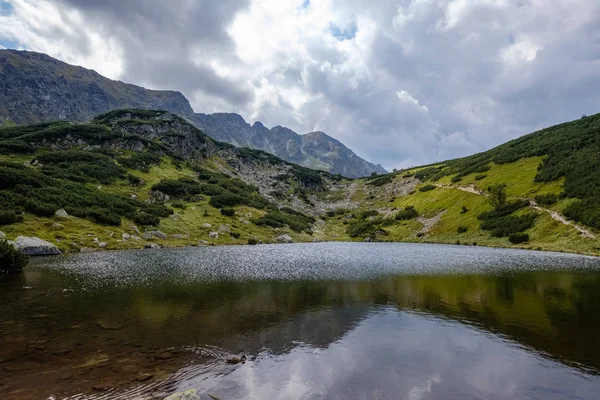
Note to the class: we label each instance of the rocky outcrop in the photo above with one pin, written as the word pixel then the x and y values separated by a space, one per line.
pixel 62 214
pixel 35 247
pixel 154 235
pixel 284 239
pixel 314 150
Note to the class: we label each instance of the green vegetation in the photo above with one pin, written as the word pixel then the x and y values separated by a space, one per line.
pixel 462 229
pixel 11 259
pixel 518 238
pixel 228 212
pixel 406 214
pixel 546 199
pixel 361 229
pixel 297 221
pixel 427 188
pixel 142 161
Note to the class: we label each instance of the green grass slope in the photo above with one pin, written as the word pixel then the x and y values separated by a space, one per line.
pixel 558 167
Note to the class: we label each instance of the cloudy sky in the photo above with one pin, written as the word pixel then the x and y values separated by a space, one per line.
pixel 401 82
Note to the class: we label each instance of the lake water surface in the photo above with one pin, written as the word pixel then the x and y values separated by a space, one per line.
pixel 317 321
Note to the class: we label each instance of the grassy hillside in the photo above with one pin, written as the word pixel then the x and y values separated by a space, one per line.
pixel 131 171
pixel 551 180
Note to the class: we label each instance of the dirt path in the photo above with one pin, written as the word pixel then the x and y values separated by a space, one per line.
pixel 553 214
pixel 560 218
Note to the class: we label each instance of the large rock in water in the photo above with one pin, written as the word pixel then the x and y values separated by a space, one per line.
pixel 35 247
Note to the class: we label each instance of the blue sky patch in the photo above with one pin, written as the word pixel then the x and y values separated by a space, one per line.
pixel 5 8
pixel 346 33
pixel 9 44
pixel 305 3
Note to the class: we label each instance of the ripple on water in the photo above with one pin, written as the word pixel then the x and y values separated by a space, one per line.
pixel 333 261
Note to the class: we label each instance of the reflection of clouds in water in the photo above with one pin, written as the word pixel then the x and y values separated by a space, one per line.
pixel 419 392
pixel 397 355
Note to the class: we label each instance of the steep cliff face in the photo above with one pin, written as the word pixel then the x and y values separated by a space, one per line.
pixel 314 150
pixel 37 88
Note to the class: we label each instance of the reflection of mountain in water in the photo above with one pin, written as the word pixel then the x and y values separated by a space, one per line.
pixel 555 313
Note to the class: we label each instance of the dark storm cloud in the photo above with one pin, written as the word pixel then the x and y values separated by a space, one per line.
pixel 166 43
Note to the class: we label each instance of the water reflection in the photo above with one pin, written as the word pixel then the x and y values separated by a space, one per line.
pixel 514 334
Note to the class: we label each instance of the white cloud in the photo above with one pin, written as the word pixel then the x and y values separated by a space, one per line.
pixel 409 82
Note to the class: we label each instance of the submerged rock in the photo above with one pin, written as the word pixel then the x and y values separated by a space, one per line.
pixel 109 325
pixel 191 394
pixel 35 246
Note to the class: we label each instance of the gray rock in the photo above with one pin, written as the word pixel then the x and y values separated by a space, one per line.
pixel 224 229
pixel 191 394
pixel 151 246
pixel 284 239
pixel 62 214
pixel 35 247
pixel 213 235
pixel 207 226
pixel 134 229
pixel 179 236
pixel 154 234
pixel 175 217
pixel 136 238
pixel 2 236
pixel 203 243
pixel 126 236
pixel 102 245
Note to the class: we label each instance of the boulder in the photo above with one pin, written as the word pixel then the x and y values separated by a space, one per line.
pixel 151 246
pixel 35 247
pixel 62 214
pixel 224 229
pixel 207 226
pixel 126 236
pixel 2 236
pixel 213 235
pixel 284 239
pixel 191 394
pixel 102 245
pixel 154 234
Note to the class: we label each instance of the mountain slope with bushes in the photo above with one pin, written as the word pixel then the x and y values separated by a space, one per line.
pixel 36 88
pixel 137 178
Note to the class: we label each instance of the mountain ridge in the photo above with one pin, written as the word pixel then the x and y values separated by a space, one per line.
pixel 35 87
